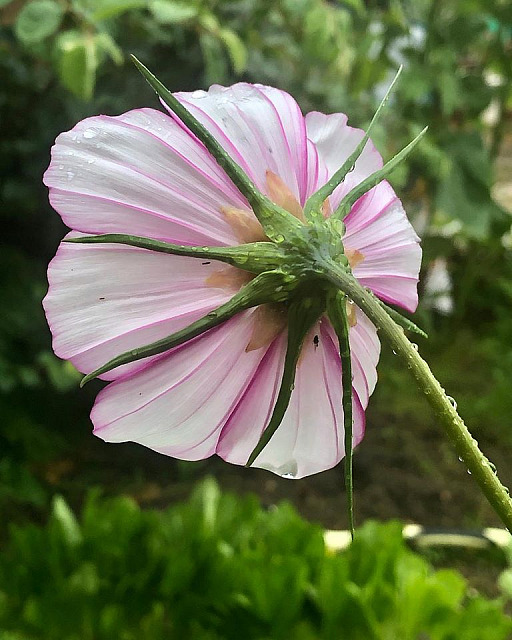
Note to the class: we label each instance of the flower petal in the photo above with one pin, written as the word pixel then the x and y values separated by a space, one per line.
pixel 260 127
pixel 310 438
pixel 335 141
pixel 179 405
pixel 104 300
pixel 378 227
pixel 140 173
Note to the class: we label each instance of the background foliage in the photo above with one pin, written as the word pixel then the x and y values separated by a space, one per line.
pixel 63 60
pixel 220 567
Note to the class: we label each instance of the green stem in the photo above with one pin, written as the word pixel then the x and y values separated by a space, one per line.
pixel 455 429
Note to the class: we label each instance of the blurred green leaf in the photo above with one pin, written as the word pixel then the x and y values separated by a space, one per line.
pixel 38 20
pixel 236 49
pixel 77 62
pixel 107 9
pixel 170 12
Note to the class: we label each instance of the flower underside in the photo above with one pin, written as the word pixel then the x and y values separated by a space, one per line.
pixel 276 280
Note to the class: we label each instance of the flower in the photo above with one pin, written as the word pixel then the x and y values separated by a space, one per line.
pixel 144 173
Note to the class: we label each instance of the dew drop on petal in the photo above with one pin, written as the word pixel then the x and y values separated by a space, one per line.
pixel 199 93
pixel 89 133
pixel 70 175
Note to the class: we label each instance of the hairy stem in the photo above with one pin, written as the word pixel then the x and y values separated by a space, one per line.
pixel 455 429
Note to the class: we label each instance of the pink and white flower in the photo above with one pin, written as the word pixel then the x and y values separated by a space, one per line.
pixel 143 173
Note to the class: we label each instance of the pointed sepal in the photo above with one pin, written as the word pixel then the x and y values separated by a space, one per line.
pixel 313 206
pixel 270 286
pixel 276 221
pixel 373 180
pixel 337 312
pixel 255 257
pixel 303 312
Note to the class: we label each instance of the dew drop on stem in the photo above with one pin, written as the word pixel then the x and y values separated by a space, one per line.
pixel 452 401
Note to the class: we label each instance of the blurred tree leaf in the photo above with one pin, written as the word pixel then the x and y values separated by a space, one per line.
pixel 170 12
pixel 38 20
pixel 107 9
pixel 235 48
pixel 464 192
pixel 77 62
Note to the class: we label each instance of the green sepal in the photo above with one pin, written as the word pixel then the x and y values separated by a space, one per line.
pixel 276 221
pixel 270 286
pixel 255 257
pixel 314 202
pixel 303 312
pixel 401 320
pixel 373 180
pixel 337 312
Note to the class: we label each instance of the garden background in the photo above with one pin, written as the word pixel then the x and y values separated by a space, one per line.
pixel 63 60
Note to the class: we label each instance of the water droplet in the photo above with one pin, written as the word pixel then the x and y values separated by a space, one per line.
pixel 70 175
pixel 493 467
pixel 414 346
pixel 89 133
pixel 212 314
pixel 394 352
pixel 279 238
pixel 452 402
pixel 205 248
pixel 278 289
pixel 461 459
pixel 61 166
pixel 199 93
pixel 469 472
pixel 91 161
pixel 288 476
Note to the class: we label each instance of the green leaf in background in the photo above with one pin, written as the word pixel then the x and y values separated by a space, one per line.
pixel 107 9
pixel 169 12
pixel 235 48
pixel 216 68
pixel 38 20
pixel 464 192
pixel 106 44
pixel 77 62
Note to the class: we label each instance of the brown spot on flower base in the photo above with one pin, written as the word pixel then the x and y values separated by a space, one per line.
pixel 269 321
pixel 230 279
pixel 351 313
pixel 281 195
pixel 354 257
pixel 245 225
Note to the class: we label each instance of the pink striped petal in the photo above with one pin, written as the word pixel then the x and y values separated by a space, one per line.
pixel 179 405
pixel 378 227
pixel 335 141
pixel 310 438
pixel 140 173
pixel 260 127
pixel 106 299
